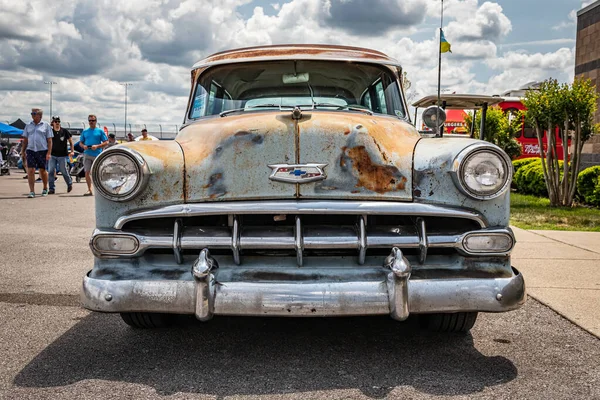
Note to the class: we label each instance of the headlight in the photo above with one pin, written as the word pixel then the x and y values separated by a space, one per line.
pixel 482 171
pixel 120 174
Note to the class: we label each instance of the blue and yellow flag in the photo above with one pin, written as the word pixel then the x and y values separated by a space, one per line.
pixel 444 45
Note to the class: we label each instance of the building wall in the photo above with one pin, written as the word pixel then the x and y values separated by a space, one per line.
pixel 587 65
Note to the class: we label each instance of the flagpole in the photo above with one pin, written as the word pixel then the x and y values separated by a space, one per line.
pixel 439 101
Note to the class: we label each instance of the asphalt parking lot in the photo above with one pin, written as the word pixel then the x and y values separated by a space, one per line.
pixel 52 348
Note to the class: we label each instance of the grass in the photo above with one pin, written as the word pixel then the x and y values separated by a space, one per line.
pixel 531 212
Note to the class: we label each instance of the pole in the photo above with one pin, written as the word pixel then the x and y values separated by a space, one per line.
pixel 473 123
pixel 484 108
pixel 440 129
pixel 126 84
pixel 50 83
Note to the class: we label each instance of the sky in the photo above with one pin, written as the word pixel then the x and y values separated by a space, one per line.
pixel 91 47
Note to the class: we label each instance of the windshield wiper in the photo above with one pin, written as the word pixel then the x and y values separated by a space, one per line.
pixel 339 107
pixel 279 106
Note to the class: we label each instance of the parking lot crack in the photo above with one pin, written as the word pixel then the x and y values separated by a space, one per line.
pixel 41 299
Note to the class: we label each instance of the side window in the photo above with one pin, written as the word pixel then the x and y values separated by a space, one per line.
pixel 366 100
pixel 381 104
pixel 211 99
pixel 199 105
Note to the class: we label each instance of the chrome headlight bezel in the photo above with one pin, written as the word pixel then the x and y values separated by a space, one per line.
pixel 460 163
pixel 141 165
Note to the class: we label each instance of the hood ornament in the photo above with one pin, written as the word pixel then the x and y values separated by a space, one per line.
pixel 297 173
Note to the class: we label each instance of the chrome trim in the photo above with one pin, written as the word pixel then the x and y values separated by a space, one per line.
pixel 142 167
pixel 100 234
pixel 487 233
pixel 397 280
pixel 362 240
pixel 458 164
pixel 202 270
pixel 305 207
pixel 177 226
pixel 235 240
pixel 423 240
pixel 319 167
pixel 298 241
pixel 332 238
pixel 354 296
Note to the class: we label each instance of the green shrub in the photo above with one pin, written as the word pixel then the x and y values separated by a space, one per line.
pixel 529 178
pixel 588 185
pixel 522 162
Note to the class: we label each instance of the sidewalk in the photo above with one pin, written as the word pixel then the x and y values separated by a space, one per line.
pixel 562 270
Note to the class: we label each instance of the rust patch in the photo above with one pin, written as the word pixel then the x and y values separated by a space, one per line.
pixel 155 197
pixel 214 178
pixel 385 158
pixel 291 50
pixel 347 132
pixel 242 133
pixel 376 178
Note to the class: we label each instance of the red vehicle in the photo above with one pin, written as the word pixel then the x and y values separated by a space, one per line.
pixel 527 137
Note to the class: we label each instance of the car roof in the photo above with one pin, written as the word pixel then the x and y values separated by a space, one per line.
pixel 297 52
pixel 459 101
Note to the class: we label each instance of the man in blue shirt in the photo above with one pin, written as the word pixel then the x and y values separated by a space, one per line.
pixel 93 140
pixel 36 150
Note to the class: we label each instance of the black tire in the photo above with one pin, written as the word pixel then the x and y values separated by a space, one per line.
pixel 460 322
pixel 144 320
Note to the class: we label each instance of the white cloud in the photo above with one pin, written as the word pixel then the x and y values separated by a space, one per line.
pixel 558 60
pixel 488 23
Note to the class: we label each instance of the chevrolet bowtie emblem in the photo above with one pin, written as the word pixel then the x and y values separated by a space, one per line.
pixel 297 173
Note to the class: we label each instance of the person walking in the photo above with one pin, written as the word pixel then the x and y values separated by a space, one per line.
pixel 130 137
pixel 60 152
pixel 37 148
pixel 92 140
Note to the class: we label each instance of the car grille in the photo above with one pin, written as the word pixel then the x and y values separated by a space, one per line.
pixel 301 228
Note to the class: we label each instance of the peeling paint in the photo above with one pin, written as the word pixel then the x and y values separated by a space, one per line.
pixel 282 51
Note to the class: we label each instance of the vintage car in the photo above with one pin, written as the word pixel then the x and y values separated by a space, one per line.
pixel 298 187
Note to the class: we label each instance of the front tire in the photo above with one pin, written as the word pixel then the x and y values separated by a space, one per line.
pixel 460 322
pixel 144 320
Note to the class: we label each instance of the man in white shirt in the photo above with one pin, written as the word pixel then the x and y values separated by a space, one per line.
pixel 37 148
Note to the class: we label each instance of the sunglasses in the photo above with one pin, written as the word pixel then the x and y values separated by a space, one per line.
pixel 92 120
pixel 34 113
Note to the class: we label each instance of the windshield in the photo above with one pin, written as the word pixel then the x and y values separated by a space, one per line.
pixel 322 85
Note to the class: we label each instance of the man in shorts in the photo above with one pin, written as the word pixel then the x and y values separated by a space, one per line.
pixel 92 140
pixel 60 151
pixel 37 148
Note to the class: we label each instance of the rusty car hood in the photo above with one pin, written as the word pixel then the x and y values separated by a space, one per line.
pixel 367 157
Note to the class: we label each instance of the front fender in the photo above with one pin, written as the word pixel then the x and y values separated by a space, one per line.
pixel 433 183
pixel 165 186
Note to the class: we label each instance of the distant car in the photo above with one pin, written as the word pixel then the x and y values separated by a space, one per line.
pixel 298 187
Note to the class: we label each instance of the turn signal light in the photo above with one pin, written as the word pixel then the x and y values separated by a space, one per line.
pixel 488 243
pixel 122 244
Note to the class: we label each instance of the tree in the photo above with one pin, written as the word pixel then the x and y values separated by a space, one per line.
pixel 406 85
pixel 570 109
pixel 500 129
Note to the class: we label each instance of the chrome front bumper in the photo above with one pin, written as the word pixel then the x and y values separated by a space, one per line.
pixel 304 292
